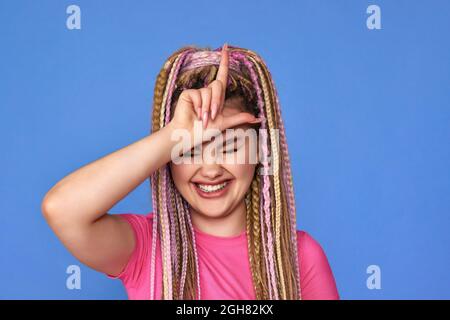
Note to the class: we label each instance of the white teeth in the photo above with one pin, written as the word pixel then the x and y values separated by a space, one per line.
pixel 210 188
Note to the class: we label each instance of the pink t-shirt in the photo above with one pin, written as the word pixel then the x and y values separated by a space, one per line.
pixel 223 264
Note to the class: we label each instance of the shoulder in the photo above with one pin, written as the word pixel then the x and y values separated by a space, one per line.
pixel 310 251
pixel 316 277
pixel 307 245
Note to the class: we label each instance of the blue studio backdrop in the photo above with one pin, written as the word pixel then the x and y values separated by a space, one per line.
pixel 365 100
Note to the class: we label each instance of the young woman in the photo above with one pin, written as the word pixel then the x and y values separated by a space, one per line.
pixel 219 229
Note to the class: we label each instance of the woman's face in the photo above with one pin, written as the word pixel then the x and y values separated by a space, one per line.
pixel 215 188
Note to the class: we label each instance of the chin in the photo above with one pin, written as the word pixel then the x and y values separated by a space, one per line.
pixel 212 212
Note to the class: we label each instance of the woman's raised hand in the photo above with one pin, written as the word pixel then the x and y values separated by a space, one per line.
pixel 206 104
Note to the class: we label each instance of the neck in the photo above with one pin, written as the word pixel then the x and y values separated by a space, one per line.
pixel 230 225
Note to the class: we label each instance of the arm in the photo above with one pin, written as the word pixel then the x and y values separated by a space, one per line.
pixel 76 207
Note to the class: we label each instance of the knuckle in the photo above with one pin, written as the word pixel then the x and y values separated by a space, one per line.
pixel 205 91
pixel 187 92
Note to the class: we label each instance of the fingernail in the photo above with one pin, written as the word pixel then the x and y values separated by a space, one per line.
pixel 225 46
pixel 205 118
pixel 257 120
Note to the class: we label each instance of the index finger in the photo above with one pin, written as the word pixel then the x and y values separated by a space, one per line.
pixel 222 73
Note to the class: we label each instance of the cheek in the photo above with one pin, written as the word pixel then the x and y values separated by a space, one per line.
pixel 242 172
pixel 181 174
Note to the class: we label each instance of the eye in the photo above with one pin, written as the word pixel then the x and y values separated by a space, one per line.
pixel 191 153
pixel 231 150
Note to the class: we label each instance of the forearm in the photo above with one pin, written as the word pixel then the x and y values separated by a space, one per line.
pixel 89 192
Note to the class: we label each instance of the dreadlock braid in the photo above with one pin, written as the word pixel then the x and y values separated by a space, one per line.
pixel 250 243
pixel 288 183
pixel 260 277
pixel 166 245
pixel 287 190
pixel 276 178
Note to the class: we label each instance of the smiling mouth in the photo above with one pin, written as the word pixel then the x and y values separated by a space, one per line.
pixel 212 190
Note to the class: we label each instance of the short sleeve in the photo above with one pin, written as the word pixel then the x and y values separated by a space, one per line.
pixel 316 277
pixel 141 225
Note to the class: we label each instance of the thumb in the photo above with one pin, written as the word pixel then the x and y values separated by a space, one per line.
pixel 238 119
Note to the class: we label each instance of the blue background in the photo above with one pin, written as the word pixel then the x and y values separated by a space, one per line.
pixel 367 114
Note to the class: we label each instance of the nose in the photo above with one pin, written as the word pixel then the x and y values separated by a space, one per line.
pixel 211 171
